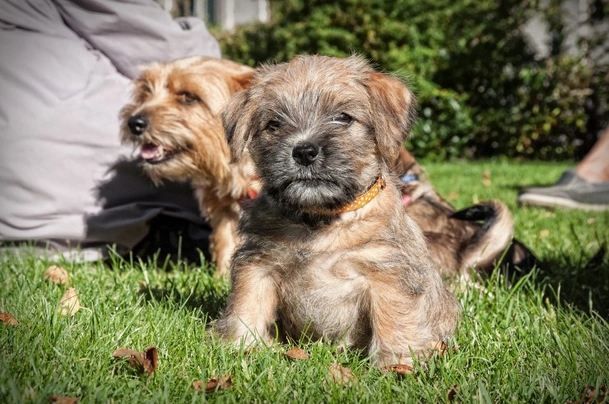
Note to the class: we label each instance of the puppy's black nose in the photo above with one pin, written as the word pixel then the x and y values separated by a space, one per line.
pixel 305 154
pixel 137 124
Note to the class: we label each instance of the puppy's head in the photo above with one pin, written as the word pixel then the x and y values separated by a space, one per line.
pixel 174 117
pixel 319 129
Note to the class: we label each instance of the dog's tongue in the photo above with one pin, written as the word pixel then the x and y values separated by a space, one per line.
pixel 149 151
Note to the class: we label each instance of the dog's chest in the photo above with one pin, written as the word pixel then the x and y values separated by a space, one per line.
pixel 324 295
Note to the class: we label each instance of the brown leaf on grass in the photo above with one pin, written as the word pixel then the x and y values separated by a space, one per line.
pixel 63 400
pixel 8 319
pixel 197 385
pixel 69 304
pixel 486 178
pixel 451 394
pixel 452 196
pixel 146 361
pixel 57 275
pixel 590 395
pixel 215 384
pixel 342 375
pixel 486 175
pixel 398 368
pixel 297 354
pixel 438 346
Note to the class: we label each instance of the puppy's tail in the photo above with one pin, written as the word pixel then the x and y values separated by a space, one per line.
pixel 491 238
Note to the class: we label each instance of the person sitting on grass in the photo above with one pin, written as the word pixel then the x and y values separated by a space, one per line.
pixel 67 184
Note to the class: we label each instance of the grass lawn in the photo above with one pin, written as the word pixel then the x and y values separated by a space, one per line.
pixel 541 338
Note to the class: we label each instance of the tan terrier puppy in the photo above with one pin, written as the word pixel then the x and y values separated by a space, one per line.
pixel 174 119
pixel 327 249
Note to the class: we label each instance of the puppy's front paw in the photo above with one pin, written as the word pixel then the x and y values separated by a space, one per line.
pixel 387 359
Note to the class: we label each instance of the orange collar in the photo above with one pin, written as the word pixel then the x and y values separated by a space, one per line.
pixel 364 198
pixel 358 203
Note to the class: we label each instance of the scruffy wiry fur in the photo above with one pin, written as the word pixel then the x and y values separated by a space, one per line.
pixel 174 119
pixel 365 277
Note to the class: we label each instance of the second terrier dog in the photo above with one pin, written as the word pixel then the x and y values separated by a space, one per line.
pixel 327 250
pixel 477 238
pixel 175 120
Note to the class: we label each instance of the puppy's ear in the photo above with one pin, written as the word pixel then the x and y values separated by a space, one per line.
pixel 236 120
pixel 243 81
pixel 241 75
pixel 393 109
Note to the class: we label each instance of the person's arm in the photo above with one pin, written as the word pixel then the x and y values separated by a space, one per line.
pixel 132 33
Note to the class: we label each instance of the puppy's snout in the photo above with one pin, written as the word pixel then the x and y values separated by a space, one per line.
pixel 137 124
pixel 305 154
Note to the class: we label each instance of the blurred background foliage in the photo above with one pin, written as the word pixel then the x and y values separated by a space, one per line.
pixel 481 89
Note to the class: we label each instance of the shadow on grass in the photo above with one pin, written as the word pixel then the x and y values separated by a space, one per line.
pixel 171 279
pixel 580 282
pixel 205 294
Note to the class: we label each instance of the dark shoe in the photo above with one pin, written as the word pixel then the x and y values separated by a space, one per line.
pixel 570 191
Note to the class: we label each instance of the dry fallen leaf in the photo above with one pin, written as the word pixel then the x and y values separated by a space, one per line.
pixel 342 375
pixel 544 233
pixel 297 354
pixel 215 384
pixel 8 319
pixel 452 196
pixel 438 346
pixel 69 304
pixel 590 395
pixel 452 392
pixel 398 368
pixel 57 275
pixel 63 400
pixel 146 361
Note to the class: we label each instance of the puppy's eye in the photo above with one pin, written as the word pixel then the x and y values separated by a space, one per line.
pixel 342 118
pixel 186 98
pixel 273 125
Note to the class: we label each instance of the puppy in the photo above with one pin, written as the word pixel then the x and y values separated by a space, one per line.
pixel 327 249
pixel 475 238
pixel 174 119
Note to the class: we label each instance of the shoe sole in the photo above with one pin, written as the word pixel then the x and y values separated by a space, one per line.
pixel 556 202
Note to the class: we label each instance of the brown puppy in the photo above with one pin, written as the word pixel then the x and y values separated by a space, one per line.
pixel 174 119
pixel 328 250
pixel 477 237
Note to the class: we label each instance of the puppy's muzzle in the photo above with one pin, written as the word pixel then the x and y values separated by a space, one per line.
pixel 137 124
pixel 305 154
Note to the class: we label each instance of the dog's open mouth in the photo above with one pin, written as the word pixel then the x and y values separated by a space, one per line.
pixel 155 154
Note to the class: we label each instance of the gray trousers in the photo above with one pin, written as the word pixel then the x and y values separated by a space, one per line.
pixel 65 72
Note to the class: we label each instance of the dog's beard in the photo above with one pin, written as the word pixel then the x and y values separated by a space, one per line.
pixel 318 187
